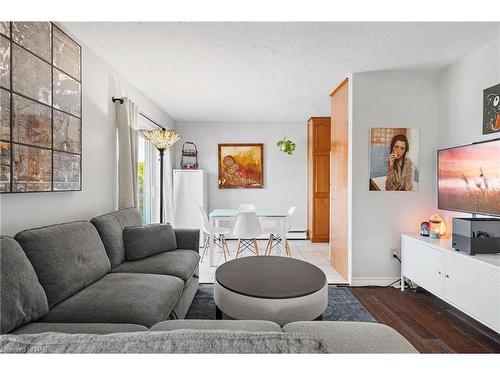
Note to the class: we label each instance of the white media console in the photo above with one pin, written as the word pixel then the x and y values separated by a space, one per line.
pixel 469 283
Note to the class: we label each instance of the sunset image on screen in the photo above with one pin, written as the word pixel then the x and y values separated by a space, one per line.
pixel 469 178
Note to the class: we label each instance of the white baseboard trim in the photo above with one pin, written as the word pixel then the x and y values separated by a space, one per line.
pixel 374 281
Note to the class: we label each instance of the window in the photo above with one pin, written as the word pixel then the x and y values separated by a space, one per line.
pixel 146 175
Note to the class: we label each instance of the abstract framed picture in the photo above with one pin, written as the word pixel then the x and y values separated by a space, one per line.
pixel 40 109
pixel 241 166
pixel 491 109
pixel 394 159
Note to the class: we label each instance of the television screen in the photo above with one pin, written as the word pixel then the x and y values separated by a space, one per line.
pixel 469 178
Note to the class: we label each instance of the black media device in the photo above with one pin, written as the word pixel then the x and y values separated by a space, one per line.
pixel 476 235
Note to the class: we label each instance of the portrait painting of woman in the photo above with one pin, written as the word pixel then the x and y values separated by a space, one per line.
pixel 394 159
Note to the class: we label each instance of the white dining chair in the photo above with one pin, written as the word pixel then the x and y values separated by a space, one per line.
pixel 246 230
pixel 245 207
pixel 218 232
pixel 275 234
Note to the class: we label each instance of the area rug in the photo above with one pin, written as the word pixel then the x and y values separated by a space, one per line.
pixel 342 305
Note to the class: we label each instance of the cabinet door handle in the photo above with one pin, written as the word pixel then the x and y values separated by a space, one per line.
pixel 447 276
pixel 439 272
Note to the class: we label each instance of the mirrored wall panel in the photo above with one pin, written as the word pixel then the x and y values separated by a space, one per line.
pixel 40 109
pixel 31 122
pixel 5 62
pixel 67 132
pixel 33 36
pixel 66 171
pixel 66 93
pixel 4 115
pixel 66 54
pixel 5 28
pixel 5 167
pixel 32 169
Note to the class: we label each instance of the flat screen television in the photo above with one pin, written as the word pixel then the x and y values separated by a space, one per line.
pixel 469 178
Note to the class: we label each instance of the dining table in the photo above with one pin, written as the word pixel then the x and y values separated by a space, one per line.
pixel 220 214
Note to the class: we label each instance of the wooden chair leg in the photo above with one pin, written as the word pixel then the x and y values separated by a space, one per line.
pixel 269 245
pixel 238 249
pixel 224 247
pixel 205 248
pixel 256 246
pixel 287 247
pixel 227 248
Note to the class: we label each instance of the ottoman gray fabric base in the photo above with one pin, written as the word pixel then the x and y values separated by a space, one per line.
pixel 281 311
pixel 180 341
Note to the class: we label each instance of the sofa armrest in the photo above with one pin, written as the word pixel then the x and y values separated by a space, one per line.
pixel 188 239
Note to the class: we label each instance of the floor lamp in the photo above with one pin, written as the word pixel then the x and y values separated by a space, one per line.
pixel 162 140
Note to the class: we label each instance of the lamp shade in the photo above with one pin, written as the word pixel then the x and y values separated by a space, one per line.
pixel 161 139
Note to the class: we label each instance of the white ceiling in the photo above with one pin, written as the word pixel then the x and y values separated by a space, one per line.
pixel 267 71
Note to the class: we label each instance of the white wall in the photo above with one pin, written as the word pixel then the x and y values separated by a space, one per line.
pixel 389 99
pixel 460 96
pixel 285 177
pixel 460 100
pixel 98 195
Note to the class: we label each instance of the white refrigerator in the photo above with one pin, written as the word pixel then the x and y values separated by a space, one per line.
pixel 190 192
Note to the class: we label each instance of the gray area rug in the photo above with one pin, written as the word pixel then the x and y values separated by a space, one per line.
pixel 342 305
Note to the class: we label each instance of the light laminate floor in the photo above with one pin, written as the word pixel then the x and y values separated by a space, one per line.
pixel 315 253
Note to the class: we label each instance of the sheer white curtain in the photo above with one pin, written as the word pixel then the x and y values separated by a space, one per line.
pixel 126 122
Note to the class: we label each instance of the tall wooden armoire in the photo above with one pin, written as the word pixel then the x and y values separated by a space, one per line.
pixel 319 178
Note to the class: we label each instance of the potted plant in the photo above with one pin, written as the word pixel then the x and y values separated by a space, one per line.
pixel 286 145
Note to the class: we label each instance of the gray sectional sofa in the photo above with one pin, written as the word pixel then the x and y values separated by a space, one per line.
pixel 76 277
pixel 112 286
pixel 209 336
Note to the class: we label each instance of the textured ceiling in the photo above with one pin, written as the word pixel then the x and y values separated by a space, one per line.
pixel 267 71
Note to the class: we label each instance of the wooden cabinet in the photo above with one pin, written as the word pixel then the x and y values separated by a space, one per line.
pixel 319 179
pixel 469 283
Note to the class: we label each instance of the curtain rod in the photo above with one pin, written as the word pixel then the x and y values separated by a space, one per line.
pixel 121 100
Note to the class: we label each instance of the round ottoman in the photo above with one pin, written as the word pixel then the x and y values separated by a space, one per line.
pixel 278 289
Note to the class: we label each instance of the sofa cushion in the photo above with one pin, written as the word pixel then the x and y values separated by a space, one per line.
pixel 219 325
pixel 187 239
pixel 66 257
pixel 95 328
pixel 180 342
pixel 354 337
pixel 110 228
pixel 147 240
pixel 179 263
pixel 22 298
pixel 131 298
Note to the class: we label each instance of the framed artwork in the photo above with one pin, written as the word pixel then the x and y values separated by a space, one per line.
pixel 491 109
pixel 40 109
pixel 394 159
pixel 241 166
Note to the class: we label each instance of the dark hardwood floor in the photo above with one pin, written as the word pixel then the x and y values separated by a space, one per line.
pixel 430 324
